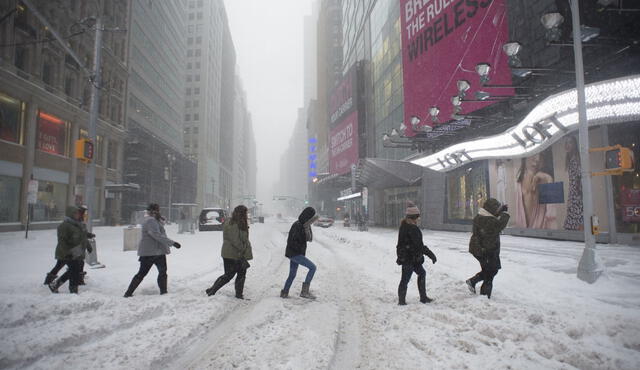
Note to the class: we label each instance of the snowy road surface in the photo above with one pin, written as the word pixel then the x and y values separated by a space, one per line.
pixel 540 316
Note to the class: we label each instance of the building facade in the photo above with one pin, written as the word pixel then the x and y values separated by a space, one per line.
pixel 44 102
pixel 154 157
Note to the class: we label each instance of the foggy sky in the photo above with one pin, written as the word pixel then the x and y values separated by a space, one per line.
pixel 268 38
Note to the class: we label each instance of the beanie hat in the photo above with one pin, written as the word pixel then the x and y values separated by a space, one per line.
pixel 412 210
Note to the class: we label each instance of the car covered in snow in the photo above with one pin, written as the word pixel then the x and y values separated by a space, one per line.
pixel 324 221
pixel 211 219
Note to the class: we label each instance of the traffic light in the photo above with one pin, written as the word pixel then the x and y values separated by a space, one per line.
pixel 84 150
pixel 619 159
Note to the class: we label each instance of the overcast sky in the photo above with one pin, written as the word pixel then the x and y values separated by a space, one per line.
pixel 268 37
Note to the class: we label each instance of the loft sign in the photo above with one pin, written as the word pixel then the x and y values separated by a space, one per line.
pixel 537 133
pixel 454 158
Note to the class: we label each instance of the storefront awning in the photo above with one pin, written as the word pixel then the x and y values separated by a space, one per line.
pixel 116 188
pixel 386 173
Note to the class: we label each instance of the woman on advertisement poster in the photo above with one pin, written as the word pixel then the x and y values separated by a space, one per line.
pixel 574 220
pixel 530 213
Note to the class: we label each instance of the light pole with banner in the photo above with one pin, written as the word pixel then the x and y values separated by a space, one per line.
pixel 32 198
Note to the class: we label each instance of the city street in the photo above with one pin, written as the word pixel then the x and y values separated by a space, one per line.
pixel 539 316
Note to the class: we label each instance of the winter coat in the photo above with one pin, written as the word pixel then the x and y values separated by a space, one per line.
pixel 298 237
pixel 154 240
pixel 485 240
pixel 410 248
pixel 72 238
pixel 236 244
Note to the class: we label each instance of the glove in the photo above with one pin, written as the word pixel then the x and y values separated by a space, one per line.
pixel 399 261
pixel 244 264
pixel 177 245
pixel 433 259
pixel 504 208
pixel 89 248
pixel 91 235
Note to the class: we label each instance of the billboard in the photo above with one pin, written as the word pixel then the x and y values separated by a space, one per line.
pixel 343 98
pixel 343 145
pixel 442 42
pixel 52 134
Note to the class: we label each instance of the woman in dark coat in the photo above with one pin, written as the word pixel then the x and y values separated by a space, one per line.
pixel 236 252
pixel 411 251
pixel 299 234
pixel 485 244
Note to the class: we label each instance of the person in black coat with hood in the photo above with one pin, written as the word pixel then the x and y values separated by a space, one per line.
pixel 299 234
pixel 485 244
pixel 411 251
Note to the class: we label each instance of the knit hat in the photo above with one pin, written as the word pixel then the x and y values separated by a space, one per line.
pixel 412 210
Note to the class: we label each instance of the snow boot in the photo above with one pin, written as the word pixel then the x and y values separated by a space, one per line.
pixel 216 286
pixel 73 289
pixel 162 284
pixel 471 286
pixel 402 296
pixel 54 285
pixel 486 289
pixel 422 289
pixel 50 278
pixel 305 291
pixel 284 293
pixel 132 286
pixel 239 285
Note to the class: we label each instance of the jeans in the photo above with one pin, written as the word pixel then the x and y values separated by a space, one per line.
pixel 74 269
pixel 293 270
pixel 408 270
pixel 59 265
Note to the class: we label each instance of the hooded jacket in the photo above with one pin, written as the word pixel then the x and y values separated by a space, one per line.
pixel 236 244
pixel 487 226
pixel 72 237
pixel 297 239
pixel 154 240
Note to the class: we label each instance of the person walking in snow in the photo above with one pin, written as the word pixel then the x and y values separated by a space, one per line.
pixel 236 252
pixel 53 274
pixel 299 234
pixel 152 250
pixel 70 250
pixel 410 251
pixel 485 244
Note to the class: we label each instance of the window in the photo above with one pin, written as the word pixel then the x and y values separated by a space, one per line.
pixel 187 117
pixel 199 3
pixel 197 65
pixel 196 91
pixel 196 103
pixel 52 134
pixel 196 117
pixel 10 119
pixel 188 91
pixel 190 28
pixel 191 16
pixel 198 28
pixel 48 71
pixel 195 130
pixel 192 4
pixel 198 40
pixel 190 41
pixel 198 52
pixel 189 53
pixel 189 66
pixel 189 78
pixel 10 188
pixel 197 77
pixel 22 58
pixel 51 201
pixel 187 104
pixel 112 154
pixel 199 15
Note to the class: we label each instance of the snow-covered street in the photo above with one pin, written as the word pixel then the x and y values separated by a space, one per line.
pixel 540 314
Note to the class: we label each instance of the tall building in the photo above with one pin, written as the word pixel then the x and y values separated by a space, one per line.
pixel 244 160
pixel 44 101
pixel 154 156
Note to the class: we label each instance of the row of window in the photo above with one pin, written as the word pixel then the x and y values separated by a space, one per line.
pixel 193 4
pixel 193 16
pixel 198 40
pixel 196 91
pixel 194 104
pixel 187 117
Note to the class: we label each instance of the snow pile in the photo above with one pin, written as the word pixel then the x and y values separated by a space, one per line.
pixel 539 316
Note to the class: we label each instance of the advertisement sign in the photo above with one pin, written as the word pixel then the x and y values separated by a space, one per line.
pixel 343 99
pixel 630 204
pixel 442 42
pixel 343 145
pixel 52 134
pixel 32 192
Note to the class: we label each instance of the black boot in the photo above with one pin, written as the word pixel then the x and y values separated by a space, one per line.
pixel 219 283
pixel 162 284
pixel 240 286
pixel 402 296
pixel 422 289
pixel 73 289
pixel 284 293
pixel 82 275
pixel 50 278
pixel 132 286
pixel 486 288
pixel 54 285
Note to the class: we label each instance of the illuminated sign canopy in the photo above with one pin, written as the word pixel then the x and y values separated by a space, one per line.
pixel 608 102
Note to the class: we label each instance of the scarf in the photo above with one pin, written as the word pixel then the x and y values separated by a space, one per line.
pixel 307 228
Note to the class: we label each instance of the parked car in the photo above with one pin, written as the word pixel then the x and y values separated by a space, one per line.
pixel 324 221
pixel 211 219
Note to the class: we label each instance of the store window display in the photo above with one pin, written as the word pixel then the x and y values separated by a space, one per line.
pixel 529 211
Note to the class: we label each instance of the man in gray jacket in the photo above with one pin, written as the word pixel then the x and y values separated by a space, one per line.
pixel 153 250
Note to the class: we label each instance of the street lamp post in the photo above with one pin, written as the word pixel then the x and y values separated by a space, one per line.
pixel 588 269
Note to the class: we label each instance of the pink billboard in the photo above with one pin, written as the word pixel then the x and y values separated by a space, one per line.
pixel 343 145
pixel 442 42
